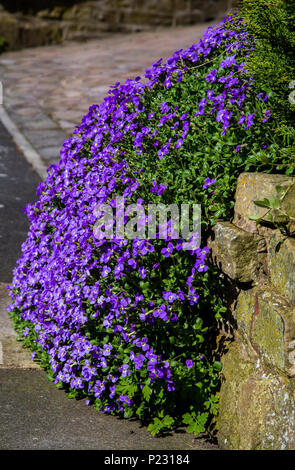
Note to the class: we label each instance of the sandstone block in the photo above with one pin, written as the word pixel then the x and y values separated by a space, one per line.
pixel 257 405
pixel 146 17
pixel 255 187
pixel 25 31
pixel 186 18
pixel 238 253
pixel 167 6
pixel 266 322
pixel 281 262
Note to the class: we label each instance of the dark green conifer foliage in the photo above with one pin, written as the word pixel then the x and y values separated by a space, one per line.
pixel 272 23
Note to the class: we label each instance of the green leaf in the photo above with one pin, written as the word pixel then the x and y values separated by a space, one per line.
pixel 160 425
pixel 128 412
pixel 280 189
pixel 270 217
pixel 265 203
pixel 155 427
pixel 196 423
pixel 217 366
pixel 274 202
pixel 146 391
pixel 263 157
pixel 187 418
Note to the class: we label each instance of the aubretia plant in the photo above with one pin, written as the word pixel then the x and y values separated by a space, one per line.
pixel 127 323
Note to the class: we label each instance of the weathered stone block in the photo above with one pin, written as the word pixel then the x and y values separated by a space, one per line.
pixel 167 6
pixel 281 261
pixel 211 8
pixel 255 187
pixel 147 17
pixel 57 12
pixel 257 405
pixel 266 321
pixel 186 18
pixel 238 253
pixel 9 28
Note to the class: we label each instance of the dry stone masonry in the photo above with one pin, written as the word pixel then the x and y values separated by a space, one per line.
pixel 32 23
pixel 257 396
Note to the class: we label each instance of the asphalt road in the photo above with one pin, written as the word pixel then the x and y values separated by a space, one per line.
pixel 18 184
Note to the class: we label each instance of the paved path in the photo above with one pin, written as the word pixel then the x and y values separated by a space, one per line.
pixel 34 414
pixel 47 90
pixel 18 184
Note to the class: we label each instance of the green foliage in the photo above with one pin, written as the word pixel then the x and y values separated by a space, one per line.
pixel 272 62
pixel 3 45
pixel 275 213
pixel 196 423
pixel 161 425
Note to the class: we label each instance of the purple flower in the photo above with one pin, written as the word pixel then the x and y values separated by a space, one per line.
pixel 105 271
pixel 124 369
pixel 204 251
pixel 162 188
pixel 179 143
pixel 170 296
pixel 250 120
pixel 125 399
pixel 211 77
pixel 118 271
pixel 132 263
pixel 168 250
pixel 228 62
pixel 242 120
pixel 152 358
pixel 138 361
pixel 112 390
pixel 165 108
pixel 267 115
pixel 208 182
pixel 142 272
pixel 154 187
pixel 194 298
pixel 107 348
pixel 171 386
pixel 202 105
pixel 189 363
pixel 161 313
pixel 202 268
pixel 142 316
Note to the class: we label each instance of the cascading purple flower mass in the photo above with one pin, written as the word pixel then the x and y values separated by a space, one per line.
pixel 95 308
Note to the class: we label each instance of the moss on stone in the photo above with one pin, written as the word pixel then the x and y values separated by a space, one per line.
pixel 281 257
pixel 257 406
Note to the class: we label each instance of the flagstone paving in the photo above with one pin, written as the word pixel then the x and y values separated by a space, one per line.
pixel 47 90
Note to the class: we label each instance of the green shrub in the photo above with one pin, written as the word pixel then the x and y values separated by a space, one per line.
pixel 272 62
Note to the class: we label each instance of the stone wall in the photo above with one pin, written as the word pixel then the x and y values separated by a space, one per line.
pixel 257 396
pixel 25 24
